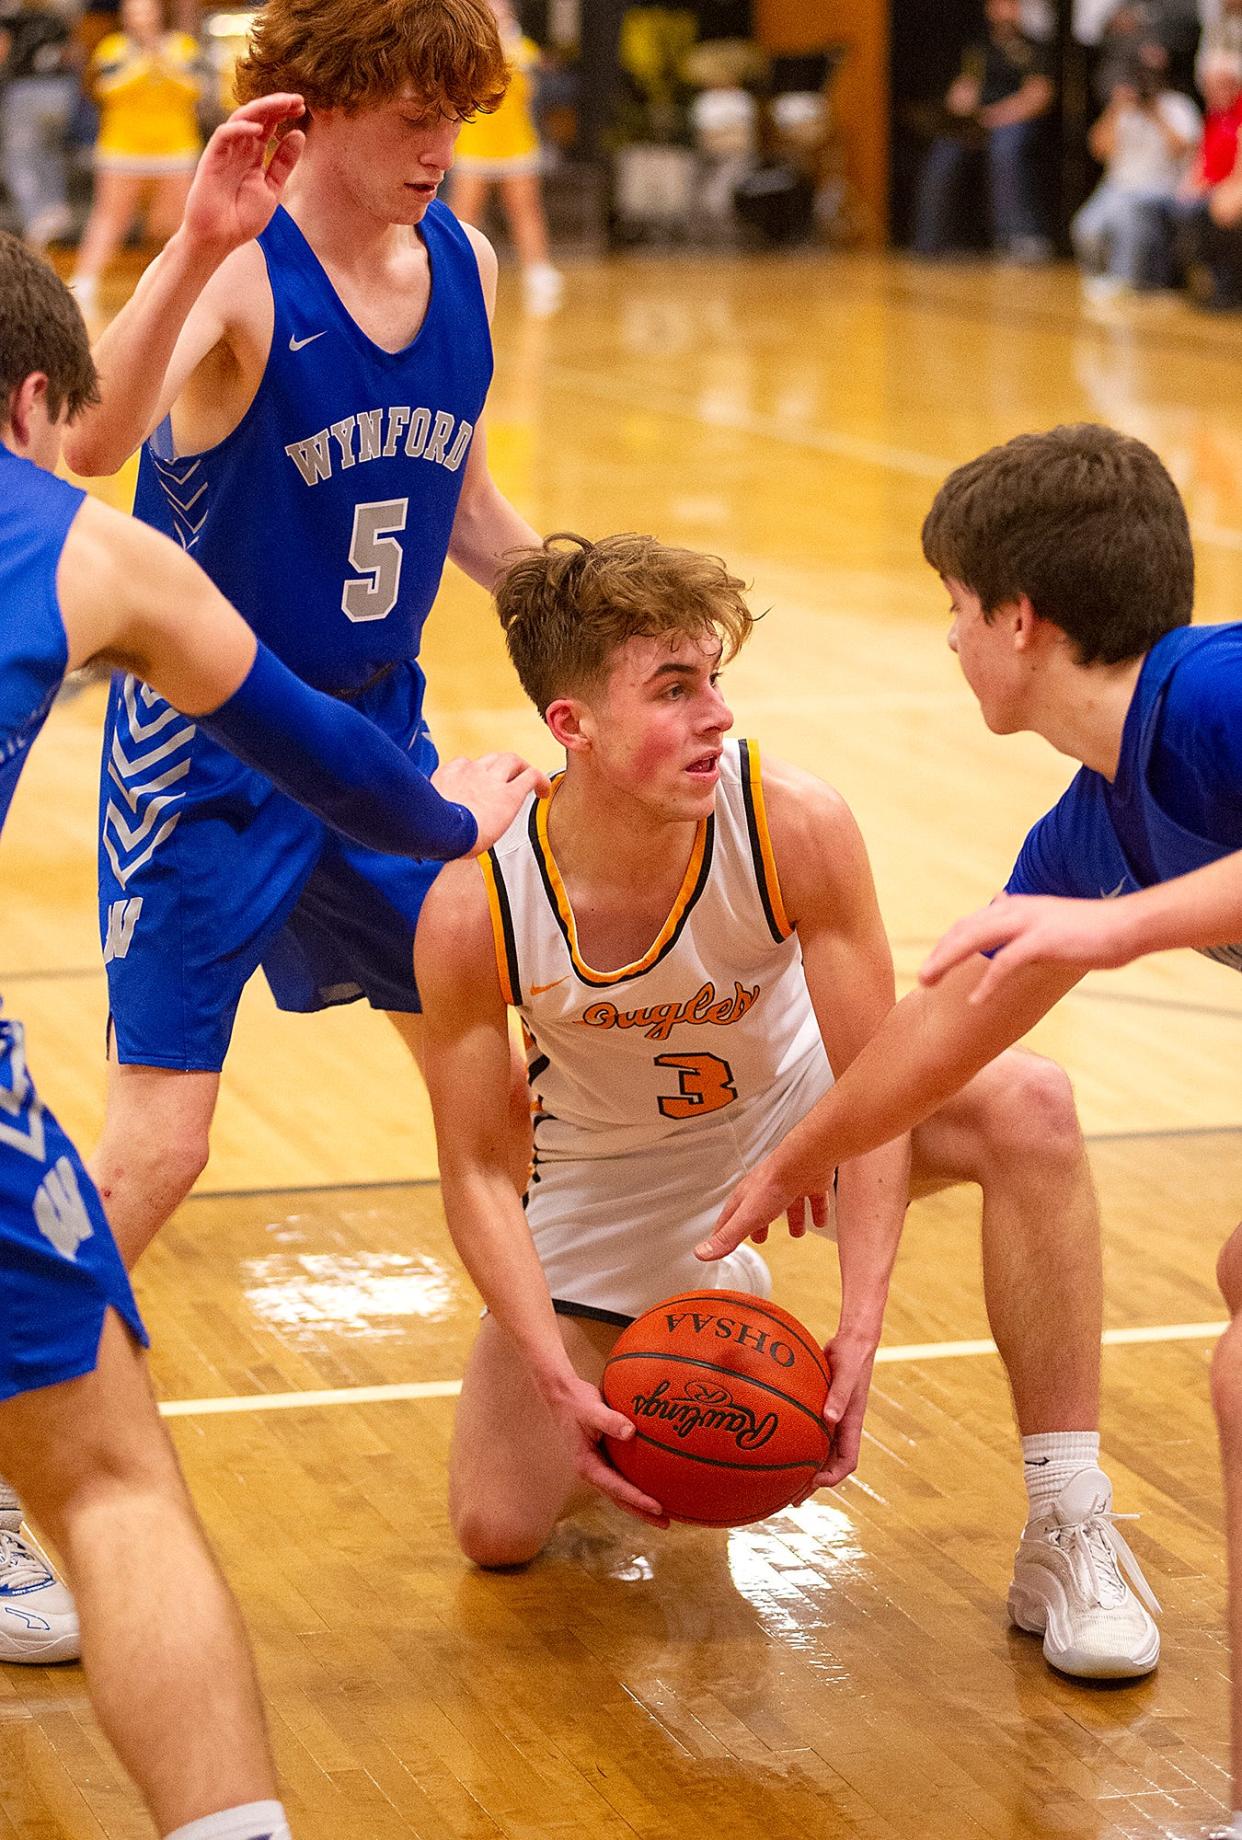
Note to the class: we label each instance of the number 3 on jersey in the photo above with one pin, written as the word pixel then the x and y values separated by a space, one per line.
pixel 376 553
pixel 706 1084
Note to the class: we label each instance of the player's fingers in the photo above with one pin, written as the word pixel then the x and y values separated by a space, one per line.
pixel 285 158
pixel 1006 962
pixel 728 1233
pixel 819 1210
pixel 269 111
pixel 602 1421
pixel 531 779
pixel 840 1392
pixel 611 1482
pixel 759 1235
pixel 795 1217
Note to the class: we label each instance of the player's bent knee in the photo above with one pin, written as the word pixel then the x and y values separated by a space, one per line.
pixel 1031 1109
pixel 1229 1271
pixel 492 1543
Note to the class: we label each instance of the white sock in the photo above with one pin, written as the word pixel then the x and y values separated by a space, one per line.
pixel 256 1821
pixel 1050 1459
pixel 10 1508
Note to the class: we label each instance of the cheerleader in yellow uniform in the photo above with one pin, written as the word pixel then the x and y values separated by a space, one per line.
pixel 147 82
pixel 503 149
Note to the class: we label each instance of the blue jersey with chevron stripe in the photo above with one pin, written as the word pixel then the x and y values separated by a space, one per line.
pixel 325 516
pixel 36 511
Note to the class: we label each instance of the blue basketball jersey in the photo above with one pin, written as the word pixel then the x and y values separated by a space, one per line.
pixel 36 511
pixel 1176 802
pixel 59 1266
pixel 325 516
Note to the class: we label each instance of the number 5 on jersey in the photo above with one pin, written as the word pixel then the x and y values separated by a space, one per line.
pixel 706 1084
pixel 375 552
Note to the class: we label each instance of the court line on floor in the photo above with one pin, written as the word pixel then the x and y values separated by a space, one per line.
pixel 449 1389
pixel 833 443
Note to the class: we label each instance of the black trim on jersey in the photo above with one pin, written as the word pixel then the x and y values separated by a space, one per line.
pixel 610 979
pixel 506 924
pixel 564 1308
pixel 756 849
pixel 537 1068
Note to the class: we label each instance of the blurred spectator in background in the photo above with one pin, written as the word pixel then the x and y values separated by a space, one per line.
pixel 997 103
pixel 1145 140
pixel 503 149
pixel 38 95
pixel 148 82
pixel 1212 194
pixel 1222 27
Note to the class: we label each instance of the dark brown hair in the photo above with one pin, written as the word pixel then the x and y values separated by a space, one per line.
pixel 1085 522
pixel 41 329
pixel 566 607
pixel 352 54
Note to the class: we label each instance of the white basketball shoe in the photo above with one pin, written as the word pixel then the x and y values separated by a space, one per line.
pixel 38 1617
pixel 1077 1584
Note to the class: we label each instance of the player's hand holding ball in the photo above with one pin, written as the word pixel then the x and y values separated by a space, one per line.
pixel 727 1395
pixel 586 1418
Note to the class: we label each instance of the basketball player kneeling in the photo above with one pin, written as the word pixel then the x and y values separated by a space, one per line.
pixel 693 943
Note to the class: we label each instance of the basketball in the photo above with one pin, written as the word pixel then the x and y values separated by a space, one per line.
pixel 727 1394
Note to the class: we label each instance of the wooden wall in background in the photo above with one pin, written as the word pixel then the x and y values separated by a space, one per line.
pixel 861 93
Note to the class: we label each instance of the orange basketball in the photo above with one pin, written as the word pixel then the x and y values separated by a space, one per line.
pixel 727 1394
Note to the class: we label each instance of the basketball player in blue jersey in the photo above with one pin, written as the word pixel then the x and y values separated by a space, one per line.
pixel 1068 561
pixel 167 1661
pixel 305 367
pixel 692 940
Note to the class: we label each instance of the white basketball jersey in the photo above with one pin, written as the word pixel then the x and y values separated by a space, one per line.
pixel 706 1036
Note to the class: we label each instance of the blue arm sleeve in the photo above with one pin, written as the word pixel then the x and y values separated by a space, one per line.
pixel 333 760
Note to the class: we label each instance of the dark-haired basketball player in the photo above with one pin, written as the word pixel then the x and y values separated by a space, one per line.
pixel 1069 565
pixel 692 940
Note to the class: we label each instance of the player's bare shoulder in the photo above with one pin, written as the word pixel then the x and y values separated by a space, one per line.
pixel 818 846
pixel 453 948
pixel 485 256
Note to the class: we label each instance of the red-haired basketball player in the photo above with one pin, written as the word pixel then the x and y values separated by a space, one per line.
pixel 693 943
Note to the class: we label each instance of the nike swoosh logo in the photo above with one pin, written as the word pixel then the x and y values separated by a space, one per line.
pixel 537 990
pixel 297 344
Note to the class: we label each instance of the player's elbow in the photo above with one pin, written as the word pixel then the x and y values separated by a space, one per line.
pixel 89 453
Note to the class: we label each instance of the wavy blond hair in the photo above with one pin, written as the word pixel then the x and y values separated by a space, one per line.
pixel 566 607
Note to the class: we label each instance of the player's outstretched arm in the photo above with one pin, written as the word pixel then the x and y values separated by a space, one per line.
pixel 927 1049
pixel 829 895
pixel 130 596
pixel 467 1065
pixel 183 306
pixel 1201 909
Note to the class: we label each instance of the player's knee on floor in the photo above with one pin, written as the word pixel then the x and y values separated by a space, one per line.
pixel 491 1541
pixel 1229 1271
pixel 1029 1111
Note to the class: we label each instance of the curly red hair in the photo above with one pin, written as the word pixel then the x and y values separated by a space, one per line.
pixel 351 54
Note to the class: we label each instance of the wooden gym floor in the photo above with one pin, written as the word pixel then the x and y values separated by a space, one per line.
pixel 845 1669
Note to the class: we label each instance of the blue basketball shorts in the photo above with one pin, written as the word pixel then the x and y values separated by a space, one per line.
pixel 60 1270
pixel 207 872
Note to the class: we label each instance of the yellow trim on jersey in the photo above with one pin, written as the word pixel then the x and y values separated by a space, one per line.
pixel 677 913
pixel 767 856
pixel 499 944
